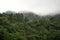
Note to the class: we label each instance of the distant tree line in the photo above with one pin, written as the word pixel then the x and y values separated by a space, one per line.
pixel 20 26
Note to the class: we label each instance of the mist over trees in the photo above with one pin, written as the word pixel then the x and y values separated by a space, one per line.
pixel 29 26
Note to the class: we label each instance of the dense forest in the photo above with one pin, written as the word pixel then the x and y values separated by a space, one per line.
pixel 29 26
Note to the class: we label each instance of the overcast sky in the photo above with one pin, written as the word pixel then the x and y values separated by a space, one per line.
pixel 38 6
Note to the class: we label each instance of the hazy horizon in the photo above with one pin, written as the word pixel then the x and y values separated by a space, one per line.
pixel 42 7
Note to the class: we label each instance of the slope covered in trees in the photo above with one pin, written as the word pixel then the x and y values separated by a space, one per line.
pixel 20 26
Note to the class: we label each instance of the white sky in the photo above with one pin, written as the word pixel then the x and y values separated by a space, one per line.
pixel 38 6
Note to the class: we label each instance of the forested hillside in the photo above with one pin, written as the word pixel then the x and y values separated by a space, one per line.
pixel 29 26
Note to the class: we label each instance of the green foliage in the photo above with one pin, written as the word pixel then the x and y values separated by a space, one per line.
pixel 18 27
